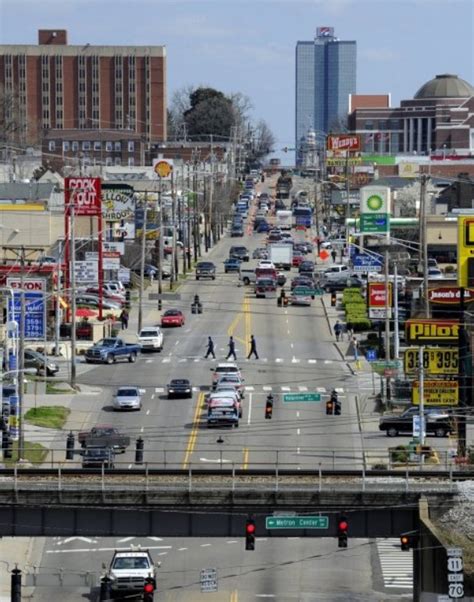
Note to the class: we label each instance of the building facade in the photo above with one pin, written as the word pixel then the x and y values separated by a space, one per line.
pixel 438 121
pixel 325 77
pixel 57 86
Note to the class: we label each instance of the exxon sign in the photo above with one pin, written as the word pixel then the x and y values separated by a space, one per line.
pixel 84 194
pixel 343 142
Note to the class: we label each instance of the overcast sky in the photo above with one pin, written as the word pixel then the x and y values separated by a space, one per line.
pixel 249 46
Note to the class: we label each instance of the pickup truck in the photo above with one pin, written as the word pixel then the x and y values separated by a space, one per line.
pixel 438 422
pixel 128 571
pixel 108 350
pixel 104 436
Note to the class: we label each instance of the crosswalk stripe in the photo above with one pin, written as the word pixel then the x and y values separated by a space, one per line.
pixel 312 361
pixel 196 389
pixel 321 389
pixel 166 360
pixel 397 566
pixel 249 388
pixel 295 361
pixel 285 389
pixel 266 388
pixel 159 390
pixel 278 360
pixel 302 389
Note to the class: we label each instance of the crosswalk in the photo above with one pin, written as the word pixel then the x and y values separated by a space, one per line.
pixel 397 566
pixel 265 360
pixel 270 388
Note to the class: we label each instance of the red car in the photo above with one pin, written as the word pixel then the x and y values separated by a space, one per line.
pixel 172 317
pixel 297 259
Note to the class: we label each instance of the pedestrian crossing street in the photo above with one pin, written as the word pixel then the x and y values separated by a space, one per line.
pixel 397 566
pixel 272 389
pixel 278 360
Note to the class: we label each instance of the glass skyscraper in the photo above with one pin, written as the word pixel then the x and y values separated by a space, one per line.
pixel 325 76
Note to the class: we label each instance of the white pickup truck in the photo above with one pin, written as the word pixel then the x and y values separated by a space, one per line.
pixel 128 571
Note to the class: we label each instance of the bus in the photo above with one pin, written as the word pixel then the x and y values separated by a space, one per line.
pixel 303 216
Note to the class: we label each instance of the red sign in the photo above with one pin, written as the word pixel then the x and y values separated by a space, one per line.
pixel 323 254
pixel 377 296
pixel 450 295
pixel 343 142
pixel 84 194
pixel 28 284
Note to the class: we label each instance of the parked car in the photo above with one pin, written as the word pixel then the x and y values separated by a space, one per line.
pixel 205 269
pixel 127 398
pixel 38 361
pixel 179 387
pixel 341 283
pixel 151 338
pixel 113 297
pixel 172 317
pixel 438 422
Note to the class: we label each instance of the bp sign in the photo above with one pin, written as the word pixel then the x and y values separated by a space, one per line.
pixel 374 209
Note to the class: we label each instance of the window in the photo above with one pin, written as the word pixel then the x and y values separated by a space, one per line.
pixel 369 125
pixel 118 161
pixel 86 145
pixel 52 145
pixel 65 145
pixel 117 146
pixel 97 145
pixel 131 161
pixel 75 146
pixel 109 147
pixel 131 146
pixel 108 161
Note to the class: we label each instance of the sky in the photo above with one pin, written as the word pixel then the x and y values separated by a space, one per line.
pixel 249 46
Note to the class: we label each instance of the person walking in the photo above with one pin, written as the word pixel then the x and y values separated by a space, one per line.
pixel 253 348
pixel 124 319
pixel 210 349
pixel 337 329
pixel 349 331
pixel 231 346
pixel 334 255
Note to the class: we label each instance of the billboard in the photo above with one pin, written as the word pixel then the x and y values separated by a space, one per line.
pixel 84 194
pixel 35 306
pixel 465 251
pixel 118 202
pixel 343 142
pixel 377 301
pixel 437 393
pixel 450 295
pixel 436 360
pixel 374 209
pixel 435 332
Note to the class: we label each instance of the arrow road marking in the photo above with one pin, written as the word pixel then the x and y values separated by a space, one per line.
pixel 84 539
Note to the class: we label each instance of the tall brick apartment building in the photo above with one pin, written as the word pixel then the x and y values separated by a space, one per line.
pixel 56 86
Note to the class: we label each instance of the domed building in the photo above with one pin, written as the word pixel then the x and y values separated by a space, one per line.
pixel 438 121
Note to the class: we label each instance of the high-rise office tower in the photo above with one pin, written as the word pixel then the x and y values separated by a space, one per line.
pixel 325 76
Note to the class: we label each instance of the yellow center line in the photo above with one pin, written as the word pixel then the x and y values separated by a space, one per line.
pixel 234 596
pixel 194 431
pixel 245 463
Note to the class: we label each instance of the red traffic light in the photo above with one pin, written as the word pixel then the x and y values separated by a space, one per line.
pixel 250 528
pixel 149 588
pixel 343 525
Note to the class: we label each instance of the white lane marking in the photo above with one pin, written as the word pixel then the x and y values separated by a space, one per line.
pixel 295 361
pixel 197 359
pixel 297 414
pixel 291 345
pixel 266 388
pixel 339 390
pixel 321 389
pixel 182 549
pixel 265 359
pixel 312 361
pixel 82 550
pixel 249 388
pixel 155 538
pixel 205 545
pixel 302 389
pixel 215 460
pixel 177 342
pixel 297 450
pixel 196 389
pixel 130 466
pixel 159 390
pixel 124 539
pixel 249 417
pixel 148 361
pixel 287 320
pixel 232 541
pixel 183 359
pixel 298 431
pixel 187 330
pixel 166 360
pixel 278 360
pixel 285 389
pixel 152 396
pixel 288 331
pixel 328 361
pixel 286 311
pixel 143 428
pixel 84 539
pixel 265 596
pixel 162 554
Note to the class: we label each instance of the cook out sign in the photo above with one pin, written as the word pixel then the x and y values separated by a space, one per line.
pixel 84 194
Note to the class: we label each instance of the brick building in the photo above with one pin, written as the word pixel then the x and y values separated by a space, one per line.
pixel 55 86
pixel 439 119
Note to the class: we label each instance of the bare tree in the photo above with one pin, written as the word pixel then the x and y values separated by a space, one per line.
pixel 179 104
pixel 12 122
pixel 241 105
pixel 264 138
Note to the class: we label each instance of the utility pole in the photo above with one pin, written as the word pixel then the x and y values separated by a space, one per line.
pixel 174 246
pixel 348 198
pixel 160 244
pixel 462 378
pixel 72 255
pixel 424 242
pixel 421 385
pixel 142 265
pixel 387 307
pixel 396 342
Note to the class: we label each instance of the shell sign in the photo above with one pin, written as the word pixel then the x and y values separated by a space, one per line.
pixel 163 169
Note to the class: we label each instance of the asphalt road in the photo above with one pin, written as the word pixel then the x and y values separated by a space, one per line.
pixel 297 354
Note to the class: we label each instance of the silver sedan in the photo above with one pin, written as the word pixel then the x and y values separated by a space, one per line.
pixel 127 398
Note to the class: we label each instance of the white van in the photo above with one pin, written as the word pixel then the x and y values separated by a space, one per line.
pixel 335 272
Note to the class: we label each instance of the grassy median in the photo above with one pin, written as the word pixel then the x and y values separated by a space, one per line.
pixel 34 453
pixel 52 417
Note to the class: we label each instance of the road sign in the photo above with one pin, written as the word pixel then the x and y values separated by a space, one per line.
pixel 367 263
pixel 437 393
pixel 302 397
pixel 455 567
pixel 374 223
pixel 371 355
pixel 209 580
pixel 35 314
pixel 417 422
pixel 297 522
pixel 380 366
pixel 436 360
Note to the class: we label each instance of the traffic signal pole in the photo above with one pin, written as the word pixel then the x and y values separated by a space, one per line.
pixel 462 380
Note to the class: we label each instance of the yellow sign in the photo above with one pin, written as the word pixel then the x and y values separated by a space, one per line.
pixel 24 207
pixel 342 162
pixel 437 393
pixel 436 360
pixel 466 251
pixel 163 169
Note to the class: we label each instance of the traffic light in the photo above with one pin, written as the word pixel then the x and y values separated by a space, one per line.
pixel 269 407
pixel 7 445
pixel 337 408
pixel 70 446
pixel 408 541
pixel 250 534
pixel 342 529
pixel 329 408
pixel 149 589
